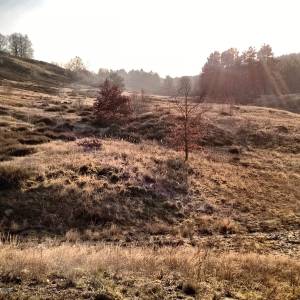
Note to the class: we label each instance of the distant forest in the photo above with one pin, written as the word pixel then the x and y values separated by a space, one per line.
pixel 226 76
pixel 150 82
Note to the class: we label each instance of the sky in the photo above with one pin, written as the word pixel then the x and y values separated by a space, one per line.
pixel 171 37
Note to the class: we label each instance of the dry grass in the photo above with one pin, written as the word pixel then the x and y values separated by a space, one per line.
pixel 128 185
pixel 238 197
pixel 247 276
pixel 252 183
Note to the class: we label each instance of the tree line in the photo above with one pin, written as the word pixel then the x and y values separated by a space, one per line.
pixel 226 76
pixel 289 68
pixel 133 80
pixel 16 44
pixel 229 75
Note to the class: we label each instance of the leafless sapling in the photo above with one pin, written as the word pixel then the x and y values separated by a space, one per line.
pixel 189 111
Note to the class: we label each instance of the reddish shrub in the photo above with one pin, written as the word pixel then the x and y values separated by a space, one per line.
pixel 111 105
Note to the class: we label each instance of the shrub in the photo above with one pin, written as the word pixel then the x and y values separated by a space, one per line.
pixel 13 176
pixel 176 164
pixel 47 121
pixel 110 104
pixel 90 144
pixel 72 235
pixel 157 228
pixel 189 288
pixel 226 226
pixel 34 140
pixel 19 151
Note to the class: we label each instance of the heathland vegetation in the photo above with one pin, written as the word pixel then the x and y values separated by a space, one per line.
pixel 124 185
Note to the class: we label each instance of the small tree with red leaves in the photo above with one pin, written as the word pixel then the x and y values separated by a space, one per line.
pixel 111 105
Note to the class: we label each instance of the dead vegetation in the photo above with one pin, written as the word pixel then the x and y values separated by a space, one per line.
pixel 240 152
pixel 144 273
pixel 63 176
pixel 128 185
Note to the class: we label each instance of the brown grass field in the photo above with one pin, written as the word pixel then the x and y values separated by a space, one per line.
pixel 113 212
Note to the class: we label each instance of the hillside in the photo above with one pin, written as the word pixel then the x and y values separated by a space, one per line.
pixel 32 72
pixel 113 212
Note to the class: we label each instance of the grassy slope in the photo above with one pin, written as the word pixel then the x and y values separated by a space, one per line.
pixel 239 193
pixel 32 74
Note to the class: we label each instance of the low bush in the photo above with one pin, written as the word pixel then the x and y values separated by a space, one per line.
pixel 90 144
pixel 12 176
pixel 45 120
pixel 34 140
pixel 110 104
pixel 18 151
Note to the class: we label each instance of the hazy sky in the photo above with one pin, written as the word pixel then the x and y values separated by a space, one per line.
pixel 167 36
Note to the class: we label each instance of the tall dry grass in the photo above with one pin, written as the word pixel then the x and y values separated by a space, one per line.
pixel 265 275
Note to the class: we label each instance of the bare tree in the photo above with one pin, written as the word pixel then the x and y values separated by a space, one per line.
pixel 142 95
pixel 3 42
pixel 168 86
pixel 20 45
pixel 76 64
pixel 188 110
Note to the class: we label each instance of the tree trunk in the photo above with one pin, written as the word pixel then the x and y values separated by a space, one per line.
pixel 186 142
